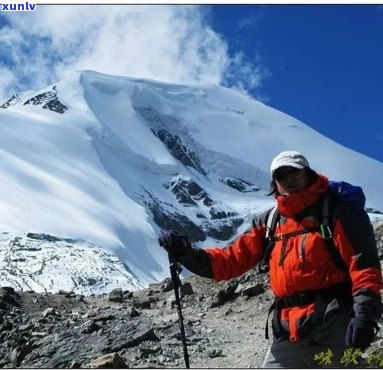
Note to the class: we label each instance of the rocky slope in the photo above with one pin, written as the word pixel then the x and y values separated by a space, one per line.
pixel 224 325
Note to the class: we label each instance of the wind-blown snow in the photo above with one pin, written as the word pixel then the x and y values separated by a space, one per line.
pixel 84 174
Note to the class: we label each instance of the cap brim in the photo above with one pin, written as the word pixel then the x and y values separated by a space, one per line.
pixel 295 165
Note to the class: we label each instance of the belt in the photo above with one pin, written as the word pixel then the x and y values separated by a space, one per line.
pixel 340 290
pixel 309 296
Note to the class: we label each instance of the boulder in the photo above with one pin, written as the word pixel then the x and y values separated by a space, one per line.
pixel 108 361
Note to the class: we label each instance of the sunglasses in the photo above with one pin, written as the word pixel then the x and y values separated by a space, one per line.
pixel 283 173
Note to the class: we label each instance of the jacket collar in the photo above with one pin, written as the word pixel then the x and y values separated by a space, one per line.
pixel 292 205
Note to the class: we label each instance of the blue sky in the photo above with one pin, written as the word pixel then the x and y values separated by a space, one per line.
pixel 319 63
pixel 325 64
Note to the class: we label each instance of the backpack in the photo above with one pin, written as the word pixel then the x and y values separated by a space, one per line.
pixel 350 196
pixel 339 192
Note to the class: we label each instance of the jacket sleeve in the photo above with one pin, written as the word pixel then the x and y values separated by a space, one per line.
pixel 234 260
pixel 354 236
pixel 239 256
pixel 197 260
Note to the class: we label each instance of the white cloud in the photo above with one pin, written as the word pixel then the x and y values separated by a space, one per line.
pixel 168 43
pixel 248 22
pixel 6 82
pixel 244 76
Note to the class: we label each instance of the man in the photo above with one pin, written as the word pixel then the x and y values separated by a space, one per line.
pixel 321 305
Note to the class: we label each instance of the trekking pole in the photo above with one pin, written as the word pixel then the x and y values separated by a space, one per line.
pixel 175 270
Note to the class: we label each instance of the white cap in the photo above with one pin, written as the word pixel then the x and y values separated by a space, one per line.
pixel 289 158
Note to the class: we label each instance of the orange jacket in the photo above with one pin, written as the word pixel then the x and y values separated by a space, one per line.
pixel 301 262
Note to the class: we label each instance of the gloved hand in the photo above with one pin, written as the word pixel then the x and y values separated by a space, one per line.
pixel 175 244
pixel 360 333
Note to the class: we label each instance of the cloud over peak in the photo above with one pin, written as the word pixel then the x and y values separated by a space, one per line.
pixel 169 43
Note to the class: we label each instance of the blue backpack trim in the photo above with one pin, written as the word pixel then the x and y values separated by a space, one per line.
pixel 351 194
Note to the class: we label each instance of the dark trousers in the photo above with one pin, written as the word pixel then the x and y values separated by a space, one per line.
pixel 324 347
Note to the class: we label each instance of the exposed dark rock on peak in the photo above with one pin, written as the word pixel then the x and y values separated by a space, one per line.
pixel 217 223
pixel 239 184
pixel 14 99
pixel 49 238
pixel 223 230
pixel 48 100
pixel 166 217
pixel 374 211
pixel 189 192
pixel 158 123
pixel 179 150
pixel 219 214
pixel 55 106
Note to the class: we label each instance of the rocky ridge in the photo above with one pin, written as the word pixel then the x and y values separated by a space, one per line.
pixel 47 100
pixel 224 325
pixel 136 329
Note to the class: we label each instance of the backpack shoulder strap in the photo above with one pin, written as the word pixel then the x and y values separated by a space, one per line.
pixel 326 230
pixel 271 222
pixel 272 219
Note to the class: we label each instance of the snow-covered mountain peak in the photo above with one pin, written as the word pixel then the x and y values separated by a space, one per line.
pixel 114 160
